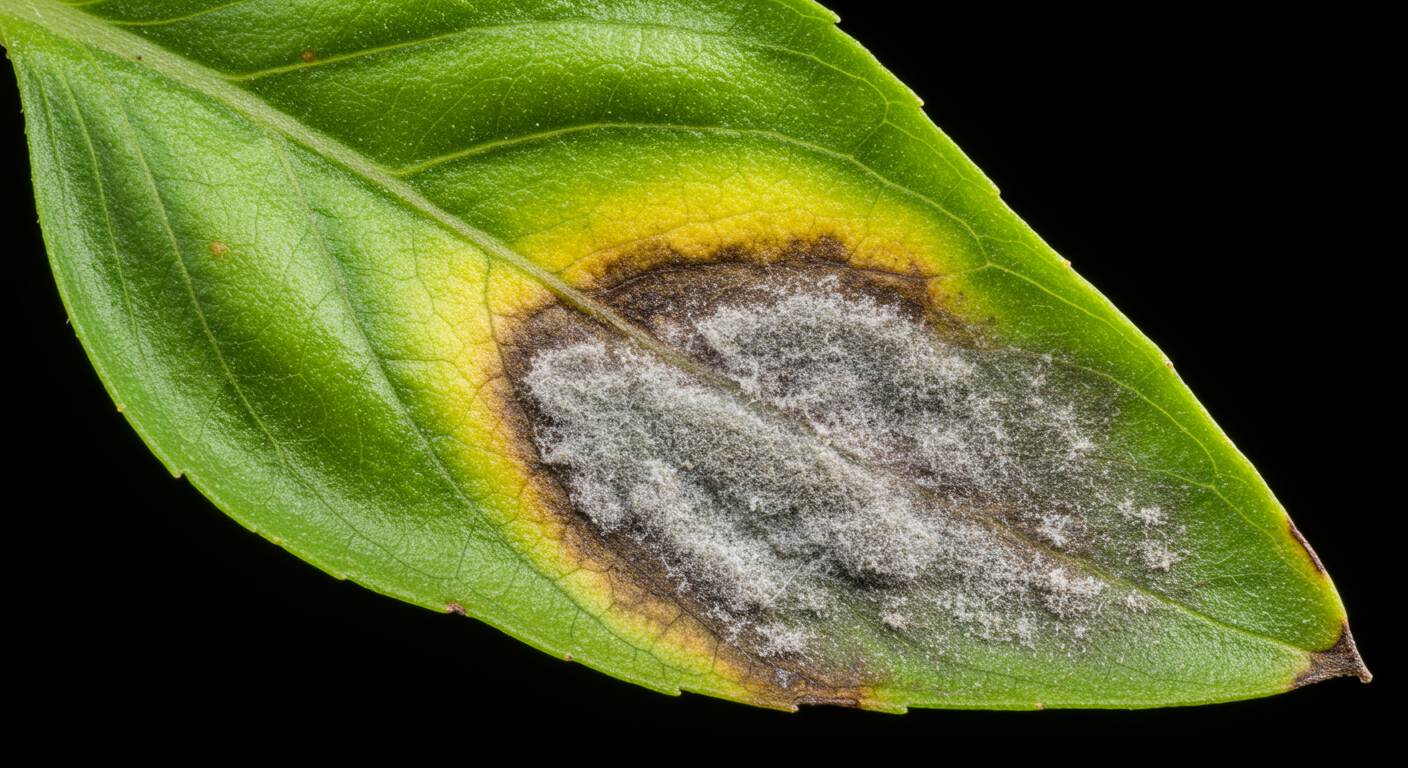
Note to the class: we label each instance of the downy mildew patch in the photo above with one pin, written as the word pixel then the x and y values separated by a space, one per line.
pixel 836 459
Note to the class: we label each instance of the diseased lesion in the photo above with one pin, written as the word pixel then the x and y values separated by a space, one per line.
pixel 859 462
pixel 1339 660
pixel 622 565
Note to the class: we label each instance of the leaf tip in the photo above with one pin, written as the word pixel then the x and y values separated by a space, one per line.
pixel 1339 660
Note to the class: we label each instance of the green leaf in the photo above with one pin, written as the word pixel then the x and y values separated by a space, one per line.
pixel 670 337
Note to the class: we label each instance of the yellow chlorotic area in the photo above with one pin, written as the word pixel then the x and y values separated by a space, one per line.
pixel 758 199
pixel 692 208
pixel 458 301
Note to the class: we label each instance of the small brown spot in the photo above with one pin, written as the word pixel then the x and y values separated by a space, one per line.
pixel 139 57
pixel 307 55
pixel 456 609
pixel 218 249
pixel 1168 364
pixel 566 657
pixel 1039 706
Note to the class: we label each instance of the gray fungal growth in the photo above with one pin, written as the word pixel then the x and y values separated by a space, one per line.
pixel 867 460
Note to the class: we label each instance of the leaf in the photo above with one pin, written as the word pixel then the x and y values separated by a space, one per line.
pixel 671 337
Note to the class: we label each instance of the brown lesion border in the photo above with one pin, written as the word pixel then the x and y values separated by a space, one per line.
pixel 638 590
pixel 1300 539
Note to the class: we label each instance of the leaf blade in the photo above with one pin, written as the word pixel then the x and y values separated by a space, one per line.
pixel 1018 290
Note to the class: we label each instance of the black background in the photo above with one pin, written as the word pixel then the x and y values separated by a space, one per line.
pixel 1218 178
